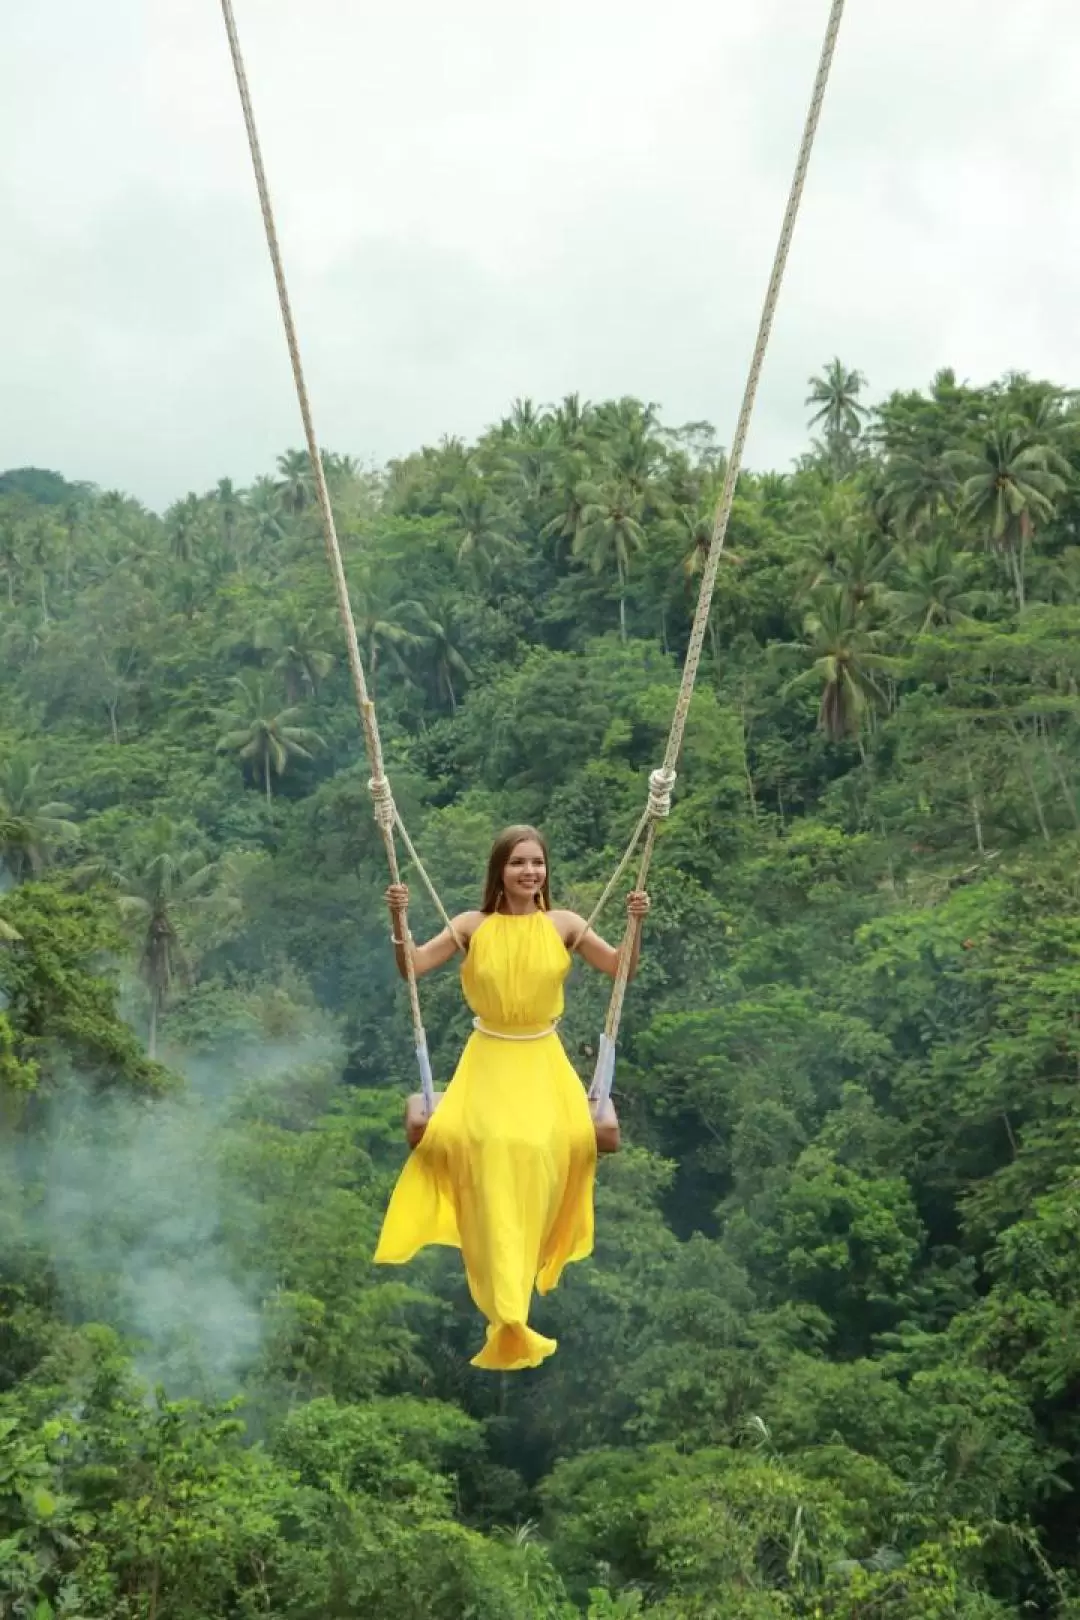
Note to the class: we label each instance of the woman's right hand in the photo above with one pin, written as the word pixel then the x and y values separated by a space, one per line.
pixel 397 897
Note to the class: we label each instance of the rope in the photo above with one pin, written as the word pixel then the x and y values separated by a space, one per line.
pixel 386 814
pixel 605 1063
pixel 661 780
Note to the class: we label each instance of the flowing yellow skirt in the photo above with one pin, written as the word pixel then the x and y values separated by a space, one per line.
pixel 505 1173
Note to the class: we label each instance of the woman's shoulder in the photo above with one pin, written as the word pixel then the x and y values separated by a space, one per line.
pixel 568 924
pixel 465 924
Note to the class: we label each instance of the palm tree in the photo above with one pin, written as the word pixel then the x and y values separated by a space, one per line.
pixel 573 496
pixel 1007 488
pixel 934 587
pixel 838 411
pixel 483 521
pixel 383 627
pixel 442 654
pixel 155 888
pixel 264 502
pixel 632 448
pixel 846 660
pixel 919 486
pixel 184 522
pixel 230 509
pixel 10 555
pixel 263 739
pixel 31 827
pixel 570 420
pixel 297 481
pixel 302 658
pixel 610 530
pixel 860 567
pixel 43 541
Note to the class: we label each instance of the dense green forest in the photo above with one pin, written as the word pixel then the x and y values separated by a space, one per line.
pixel 826 1359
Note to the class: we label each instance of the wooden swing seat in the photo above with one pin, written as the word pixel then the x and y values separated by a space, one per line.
pixel 605 1122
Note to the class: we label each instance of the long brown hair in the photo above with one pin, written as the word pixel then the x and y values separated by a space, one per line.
pixel 501 851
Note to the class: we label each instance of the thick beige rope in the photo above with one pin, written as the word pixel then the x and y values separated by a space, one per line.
pixel 662 780
pixel 659 803
pixel 386 813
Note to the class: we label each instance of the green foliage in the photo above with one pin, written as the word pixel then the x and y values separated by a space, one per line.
pixel 823 1363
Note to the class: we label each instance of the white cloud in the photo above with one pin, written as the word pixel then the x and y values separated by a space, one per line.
pixel 476 202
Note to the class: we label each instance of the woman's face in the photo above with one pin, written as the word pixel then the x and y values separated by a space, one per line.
pixel 524 872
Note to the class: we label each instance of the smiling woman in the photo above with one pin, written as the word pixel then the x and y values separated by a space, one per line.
pixel 504 1168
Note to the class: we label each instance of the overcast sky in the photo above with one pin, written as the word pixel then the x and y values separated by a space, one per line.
pixel 480 200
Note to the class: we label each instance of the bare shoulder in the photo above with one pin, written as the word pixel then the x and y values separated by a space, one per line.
pixel 466 923
pixel 568 924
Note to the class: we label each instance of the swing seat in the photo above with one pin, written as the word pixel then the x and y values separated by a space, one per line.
pixel 605 1122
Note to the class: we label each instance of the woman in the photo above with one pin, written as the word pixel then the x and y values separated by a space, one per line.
pixel 505 1169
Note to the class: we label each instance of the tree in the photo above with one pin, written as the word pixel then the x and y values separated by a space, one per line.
pixel 610 531
pixel 384 628
pixel 263 736
pixel 483 522
pixel 1007 489
pixel 164 878
pixel 296 481
pixel 934 586
pixel 32 828
pixel 847 660
pixel 265 503
pixel 298 641
pixel 839 411
pixel 439 643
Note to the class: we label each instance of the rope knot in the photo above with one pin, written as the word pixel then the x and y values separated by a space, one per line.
pixel 661 782
pixel 382 801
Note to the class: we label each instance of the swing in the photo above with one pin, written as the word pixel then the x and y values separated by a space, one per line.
pixel 421 1105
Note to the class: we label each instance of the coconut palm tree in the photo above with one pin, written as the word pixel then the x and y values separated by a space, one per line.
pixel 185 522
pixel 298 640
pixel 846 662
pixel 32 828
pixel 1009 487
pixel 265 503
pixel 384 628
pixel 483 522
pixel 156 888
pixel 262 736
pixel 838 411
pixel 934 587
pixel 920 486
pixel 610 531
pixel 296 482
pixel 438 645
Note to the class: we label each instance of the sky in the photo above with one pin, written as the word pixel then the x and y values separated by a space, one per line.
pixel 480 201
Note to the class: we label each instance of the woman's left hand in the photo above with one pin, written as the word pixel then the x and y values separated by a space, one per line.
pixel 637 903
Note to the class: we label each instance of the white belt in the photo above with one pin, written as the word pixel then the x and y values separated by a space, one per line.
pixel 505 1035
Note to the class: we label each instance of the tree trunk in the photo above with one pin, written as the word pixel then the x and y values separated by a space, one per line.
pixel 973 801
pixel 622 602
pixel 112 720
pixel 1029 778
pixel 1017 570
pixel 151 1040
pixel 1063 781
pixel 266 779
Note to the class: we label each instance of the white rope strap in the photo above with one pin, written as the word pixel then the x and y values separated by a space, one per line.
pixel 385 811
pixel 605 1063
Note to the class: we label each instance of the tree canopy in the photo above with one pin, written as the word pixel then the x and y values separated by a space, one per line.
pixel 823 1364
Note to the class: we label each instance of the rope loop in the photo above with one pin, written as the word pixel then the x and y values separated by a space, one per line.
pixel 382 802
pixel 661 782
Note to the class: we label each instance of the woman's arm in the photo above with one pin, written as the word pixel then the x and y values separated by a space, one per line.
pixel 596 951
pixel 436 951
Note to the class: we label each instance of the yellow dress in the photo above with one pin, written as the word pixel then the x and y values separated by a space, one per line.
pixel 506 1167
